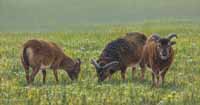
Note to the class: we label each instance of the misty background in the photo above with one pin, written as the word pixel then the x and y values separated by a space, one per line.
pixel 59 15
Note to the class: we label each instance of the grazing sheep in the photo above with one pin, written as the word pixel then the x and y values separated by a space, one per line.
pixel 158 55
pixel 41 55
pixel 120 54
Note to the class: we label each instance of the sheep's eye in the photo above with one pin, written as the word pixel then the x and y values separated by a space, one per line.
pixel 159 45
pixel 101 73
pixel 169 44
pixel 101 64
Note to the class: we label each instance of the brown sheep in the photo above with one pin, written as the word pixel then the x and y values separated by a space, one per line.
pixel 158 55
pixel 41 55
pixel 120 54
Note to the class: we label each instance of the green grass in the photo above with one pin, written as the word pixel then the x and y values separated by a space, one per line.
pixel 182 80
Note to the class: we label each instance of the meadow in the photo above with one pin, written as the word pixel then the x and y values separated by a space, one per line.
pixel 182 86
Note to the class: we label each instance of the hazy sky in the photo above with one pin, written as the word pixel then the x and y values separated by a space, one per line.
pixel 16 15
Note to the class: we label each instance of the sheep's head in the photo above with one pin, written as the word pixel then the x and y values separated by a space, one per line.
pixel 103 68
pixel 164 45
pixel 73 74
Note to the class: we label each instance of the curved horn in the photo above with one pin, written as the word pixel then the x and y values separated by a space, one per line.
pixel 172 35
pixel 111 63
pixel 95 64
pixel 155 36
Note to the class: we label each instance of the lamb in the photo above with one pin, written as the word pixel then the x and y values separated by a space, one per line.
pixel 158 55
pixel 41 55
pixel 119 54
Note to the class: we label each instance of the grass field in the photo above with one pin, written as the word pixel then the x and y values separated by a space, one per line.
pixel 182 86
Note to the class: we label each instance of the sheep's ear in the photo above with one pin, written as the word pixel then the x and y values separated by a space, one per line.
pixel 79 61
pixel 172 43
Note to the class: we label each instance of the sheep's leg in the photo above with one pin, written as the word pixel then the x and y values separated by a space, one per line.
pixel 133 72
pixel 44 75
pixel 55 74
pixel 153 80
pixel 142 74
pixel 163 77
pixel 55 66
pixel 142 65
pixel 157 80
pixel 160 80
pixel 35 71
pixel 27 75
pixel 26 68
pixel 123 73
pixel 110 77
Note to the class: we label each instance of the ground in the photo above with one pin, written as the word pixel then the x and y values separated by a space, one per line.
pixel 182 80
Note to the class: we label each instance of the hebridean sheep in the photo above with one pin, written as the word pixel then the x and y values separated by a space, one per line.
pixel 41 55
pixel 158 55
pixel 119 54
